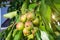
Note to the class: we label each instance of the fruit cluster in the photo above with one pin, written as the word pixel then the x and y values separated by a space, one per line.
pixel 27 24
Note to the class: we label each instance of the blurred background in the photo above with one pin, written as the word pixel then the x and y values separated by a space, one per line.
pixel 5 7
pixel 4 4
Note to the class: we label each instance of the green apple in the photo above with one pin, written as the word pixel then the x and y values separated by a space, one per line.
pixel 30 16
pixel 36 21
pixel 26 32
pixel 31 36
pixel 34 30
pixel 20 26
pixel 23 18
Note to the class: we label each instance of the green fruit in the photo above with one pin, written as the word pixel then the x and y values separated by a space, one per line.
pixel 23 18
pixel 35 29
pixel 26 32
pixel 33 32
pixel 36 21
pixel 20 26
pixel 31 36
pixel 30 16
pixel 28 25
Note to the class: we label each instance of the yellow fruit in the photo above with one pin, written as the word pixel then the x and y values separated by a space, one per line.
pixel 23 18
pixel 20 26
pixel 30 16
pixel 36 21
pixel 34 30
pixel 26 32
pixel 28 25
pixel 31 36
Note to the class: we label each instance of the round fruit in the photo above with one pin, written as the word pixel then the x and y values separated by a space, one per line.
pixel 36 21
pixel 31 36
pixel 30 16
pixel 23 18
pixel 34 30
pixel 26 32
pixel 28 25
pixel 20 26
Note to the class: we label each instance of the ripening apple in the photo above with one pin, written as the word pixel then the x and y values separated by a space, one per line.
pixel 26 32
pixel 30 16
pixel 28 25
pixel 36 21
pixel 23 18
pixel 20 26
pixel 31 36
pixel 34 30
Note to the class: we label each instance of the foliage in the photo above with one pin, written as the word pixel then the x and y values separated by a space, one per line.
pixel 44 28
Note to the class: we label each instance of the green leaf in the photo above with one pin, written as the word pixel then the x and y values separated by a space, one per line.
pixel 42 27
pixel 14 32
pixel 58 27
pixel 0 34
pixel 57 1
pixel 54 4
pixel 17 18
pixel 38 35
pixel 32 6
pixel 45 12
pixel 18 36
pixel 51 37
pixel 58 37
pixel 57 6
pixel 9 36
pixel 10 15
pixel 24 7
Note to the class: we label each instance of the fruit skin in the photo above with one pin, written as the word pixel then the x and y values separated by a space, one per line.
pixel 34 30
pixel 36 21
pixel 20 26
pixel 30 16
pixel 26 32
pixel 28 25
pixel 23 18
pixel 31 36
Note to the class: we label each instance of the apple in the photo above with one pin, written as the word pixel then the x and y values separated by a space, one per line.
pixel 36 21
pixel 30 16
pixel 23 18
pixel 20 26
pixel 26 32
pixel 28 25
pixel 31 36
pixel 34 30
